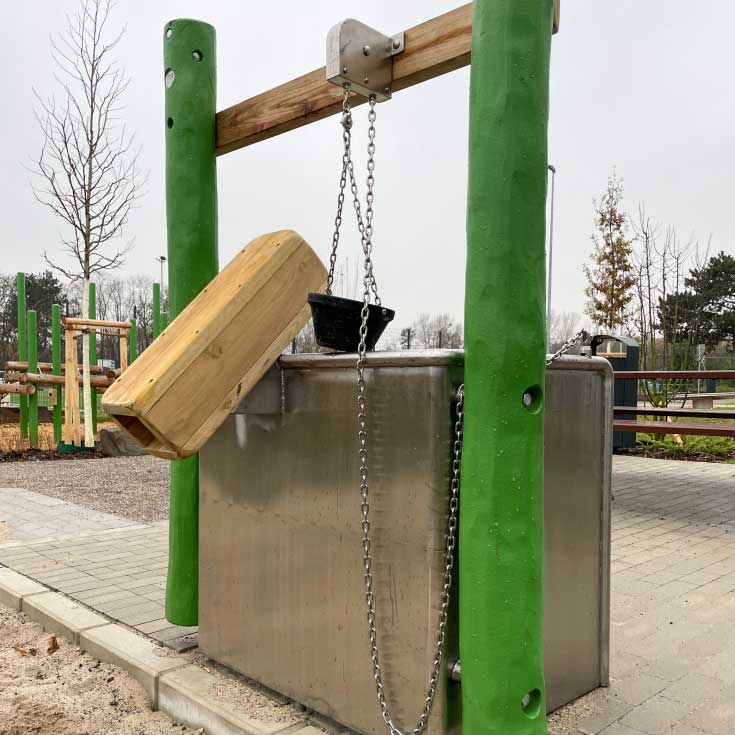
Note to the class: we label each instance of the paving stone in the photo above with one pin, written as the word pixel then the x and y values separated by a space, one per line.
pixel 138 656
pixel 637 688
pixel 657 715
pixel 695 689
pixel 14 587
pixel 612 712
pixel 619 729
pixel 716 717
pixel 185 695
pixel 58 614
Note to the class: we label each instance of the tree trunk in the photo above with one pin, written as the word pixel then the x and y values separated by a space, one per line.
pixel 86 382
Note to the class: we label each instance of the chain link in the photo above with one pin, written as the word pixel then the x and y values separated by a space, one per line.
pixel 578 337
pixel 365 227
pixel 366 232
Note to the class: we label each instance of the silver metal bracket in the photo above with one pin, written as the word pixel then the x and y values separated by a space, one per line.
pixel 363 58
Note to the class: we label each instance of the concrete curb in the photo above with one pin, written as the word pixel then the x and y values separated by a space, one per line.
pixel 179 689
pixel 186 696
pixel 61 615
pixel 137 655
pixel 15 587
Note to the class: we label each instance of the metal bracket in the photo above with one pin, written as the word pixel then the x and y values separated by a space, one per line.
pixel 363 58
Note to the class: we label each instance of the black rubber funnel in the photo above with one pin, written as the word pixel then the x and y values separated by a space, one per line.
pixel 337 322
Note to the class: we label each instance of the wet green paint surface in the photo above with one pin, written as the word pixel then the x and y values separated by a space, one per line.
pixel 191 211
pixel 501 530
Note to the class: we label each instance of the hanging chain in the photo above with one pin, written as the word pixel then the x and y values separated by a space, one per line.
pixel 365 227
pixel 369 285
pixel 578 337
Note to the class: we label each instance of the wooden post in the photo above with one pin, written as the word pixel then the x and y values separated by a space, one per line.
pixel 123 350
pixel 501 559
pixel 93 349
pixel 32 351
pixel 191 215
pixel 56 366
pixel 20 288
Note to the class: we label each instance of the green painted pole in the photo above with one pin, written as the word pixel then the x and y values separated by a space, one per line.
pixel 133 341
pixel 32 368
pixel 164 320
pixel 93 349
pixel 501 559
pixel 20 288
pixel 191 213
pixel 56 365
pixel 156 309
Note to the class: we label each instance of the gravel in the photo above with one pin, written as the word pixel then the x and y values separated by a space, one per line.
pixel 67 692
pixel 136 488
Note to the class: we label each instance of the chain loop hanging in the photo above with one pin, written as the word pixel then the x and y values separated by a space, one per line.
pixel 365 227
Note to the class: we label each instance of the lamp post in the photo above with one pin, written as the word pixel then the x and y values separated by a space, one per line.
pixel 161 259
pixel 551 253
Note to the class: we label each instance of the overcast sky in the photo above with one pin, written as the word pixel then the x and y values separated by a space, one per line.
pixel 640 86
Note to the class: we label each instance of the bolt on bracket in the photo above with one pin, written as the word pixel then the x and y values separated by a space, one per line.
pixel 363 58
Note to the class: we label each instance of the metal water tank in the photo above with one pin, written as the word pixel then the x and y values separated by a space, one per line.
pixel 281 588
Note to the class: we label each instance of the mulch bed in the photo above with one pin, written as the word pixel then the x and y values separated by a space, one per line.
pixel 689 456
pixel 39 455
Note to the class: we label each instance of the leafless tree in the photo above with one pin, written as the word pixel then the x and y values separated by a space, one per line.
pixel 88 164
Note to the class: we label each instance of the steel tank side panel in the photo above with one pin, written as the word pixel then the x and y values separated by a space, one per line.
pixel 575 441
pixel 282 591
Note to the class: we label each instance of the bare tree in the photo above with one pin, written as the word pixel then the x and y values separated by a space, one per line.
pixel 88 164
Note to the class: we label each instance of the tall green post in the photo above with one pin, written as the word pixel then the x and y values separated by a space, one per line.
pixel 20 290
pixel 156 310
pixel 56 365
pixel 164 320
pixel 191 212
pixel 93 349
pixel 32 368
pixel 133 341
pixel 502 506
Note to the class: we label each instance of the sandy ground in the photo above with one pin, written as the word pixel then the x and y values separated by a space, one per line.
pixel 131 487
pixel 67 692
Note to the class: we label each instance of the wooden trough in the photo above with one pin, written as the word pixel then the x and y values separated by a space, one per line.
pixel 181 389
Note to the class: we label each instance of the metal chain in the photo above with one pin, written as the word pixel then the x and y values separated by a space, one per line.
pixel 366 232
pixel 578 337
pixel 365 227
pixel 346 126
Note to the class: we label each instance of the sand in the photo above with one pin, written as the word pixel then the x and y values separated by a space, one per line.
pixel 67 692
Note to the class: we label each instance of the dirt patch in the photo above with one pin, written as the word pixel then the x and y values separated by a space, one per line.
pixel 683 455
pixel 136 488
pixel 67 692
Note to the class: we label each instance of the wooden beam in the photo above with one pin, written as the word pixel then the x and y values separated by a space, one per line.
pixel 679 427
pixel 674 374
pixel 22 366
pixel 27 390
pixel 692 413
pixel 97 381
pixel 432 48
pixel 73 322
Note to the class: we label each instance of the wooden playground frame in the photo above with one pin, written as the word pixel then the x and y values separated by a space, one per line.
pixel 507 44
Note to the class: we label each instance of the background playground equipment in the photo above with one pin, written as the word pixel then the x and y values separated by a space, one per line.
pixel 186 383
pixel 26 377
pixel 501 578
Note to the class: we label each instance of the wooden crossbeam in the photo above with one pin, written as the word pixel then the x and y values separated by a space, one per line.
pixel 433 48
pixel 678 427
pixel 702 413
pixel 674 374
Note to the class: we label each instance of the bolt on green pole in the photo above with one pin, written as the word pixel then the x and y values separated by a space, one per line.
pixel 133 341
pixel 191 213
pixel 32 368
pixel 156 310
pixel 20 289
pixel 56 365
pixel 93 350
pixel 501 559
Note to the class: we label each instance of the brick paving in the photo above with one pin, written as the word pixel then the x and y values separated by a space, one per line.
pixel 672 657
pixel 111 565
pixel 672 653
